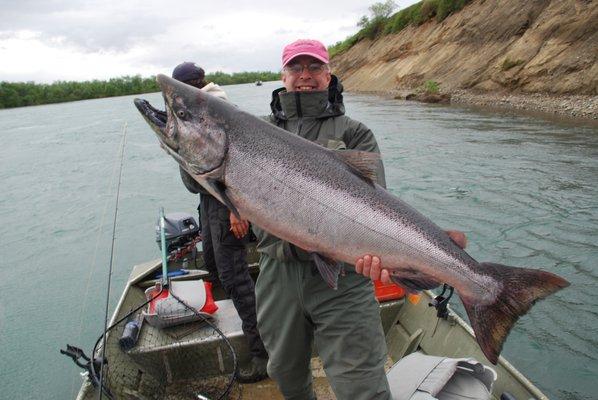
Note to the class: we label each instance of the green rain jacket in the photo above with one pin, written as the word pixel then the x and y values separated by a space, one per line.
pixel 319 117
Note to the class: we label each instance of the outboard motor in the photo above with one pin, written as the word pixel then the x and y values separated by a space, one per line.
pixel 181 230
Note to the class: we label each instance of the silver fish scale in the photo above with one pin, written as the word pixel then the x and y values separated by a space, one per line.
pixel 327 209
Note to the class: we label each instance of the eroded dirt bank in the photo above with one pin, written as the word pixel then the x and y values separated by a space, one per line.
pixel 531 55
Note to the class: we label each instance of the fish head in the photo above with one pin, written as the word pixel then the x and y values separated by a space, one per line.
pixel 187 130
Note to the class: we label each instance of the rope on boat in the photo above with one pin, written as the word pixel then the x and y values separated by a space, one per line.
pixel 102 339
pixel 231 380
pixel 122 154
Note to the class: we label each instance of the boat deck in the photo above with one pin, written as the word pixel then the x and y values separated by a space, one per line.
pixel 184 361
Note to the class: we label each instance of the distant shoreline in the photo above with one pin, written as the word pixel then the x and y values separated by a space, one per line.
pixel 577 107
pixel 571 106
pixel 24 94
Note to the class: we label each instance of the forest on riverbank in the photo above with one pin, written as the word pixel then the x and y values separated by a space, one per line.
pixel 21 94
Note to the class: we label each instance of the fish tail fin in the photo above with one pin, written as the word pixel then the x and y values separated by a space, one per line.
pixel 521 288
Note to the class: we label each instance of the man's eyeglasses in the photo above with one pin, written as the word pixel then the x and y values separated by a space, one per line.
pixel 313 68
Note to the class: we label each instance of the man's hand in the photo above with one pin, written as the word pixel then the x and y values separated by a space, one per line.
pixel 458 237
pixel 371 267
pixel 239 227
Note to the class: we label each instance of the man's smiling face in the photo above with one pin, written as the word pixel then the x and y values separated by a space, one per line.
pixel 305 73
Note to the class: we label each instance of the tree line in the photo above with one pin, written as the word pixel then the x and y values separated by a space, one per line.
pixel 20 94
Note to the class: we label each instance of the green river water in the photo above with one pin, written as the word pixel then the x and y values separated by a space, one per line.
pixel 523 188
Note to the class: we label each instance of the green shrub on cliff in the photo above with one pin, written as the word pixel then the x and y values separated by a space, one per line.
pixel 507 64
pixel 374 25
pixel 402 19
pixel 429 9
pixel 447 7
pixel 342 46
pixel 371 26
pixel 423 11
pixel 430 87
pixel 384 23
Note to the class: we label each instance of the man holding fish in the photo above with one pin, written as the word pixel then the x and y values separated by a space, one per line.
pixel 320 211
pixel 296 306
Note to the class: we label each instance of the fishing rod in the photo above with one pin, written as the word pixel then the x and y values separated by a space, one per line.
pixel 71 351
pixel 96 366
pixel 122 156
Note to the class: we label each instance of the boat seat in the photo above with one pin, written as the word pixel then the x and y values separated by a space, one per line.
pixel 192 350
pixel 422 377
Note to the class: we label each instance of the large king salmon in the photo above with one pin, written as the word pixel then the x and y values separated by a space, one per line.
pixel 326 202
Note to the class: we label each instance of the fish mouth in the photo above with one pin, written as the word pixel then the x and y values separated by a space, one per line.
pixel 158 121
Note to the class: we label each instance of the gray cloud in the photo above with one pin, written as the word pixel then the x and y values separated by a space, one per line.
pixel 118 25
pixel 153 34
pixel 90 29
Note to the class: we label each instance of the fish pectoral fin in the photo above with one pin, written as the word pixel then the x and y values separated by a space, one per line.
pixel 221 190
pixel 328 269
pixel 363 163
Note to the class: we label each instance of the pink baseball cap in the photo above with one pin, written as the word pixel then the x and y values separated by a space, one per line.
pixel 304 47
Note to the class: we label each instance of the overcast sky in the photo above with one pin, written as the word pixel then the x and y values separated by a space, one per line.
pixel 45 41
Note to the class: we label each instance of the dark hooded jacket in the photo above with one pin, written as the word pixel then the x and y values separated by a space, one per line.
pixel 320 117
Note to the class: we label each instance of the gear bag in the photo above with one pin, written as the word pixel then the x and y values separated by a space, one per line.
pixel 422 377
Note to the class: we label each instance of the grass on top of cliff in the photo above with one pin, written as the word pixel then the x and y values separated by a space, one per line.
pixel 381 22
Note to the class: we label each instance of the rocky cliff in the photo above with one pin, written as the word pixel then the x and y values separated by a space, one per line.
pixel 512 46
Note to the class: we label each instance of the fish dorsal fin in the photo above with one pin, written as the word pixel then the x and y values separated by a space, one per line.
pixel 363 163
pixel 328 269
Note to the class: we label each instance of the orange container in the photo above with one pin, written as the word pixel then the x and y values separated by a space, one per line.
pixel 387 291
